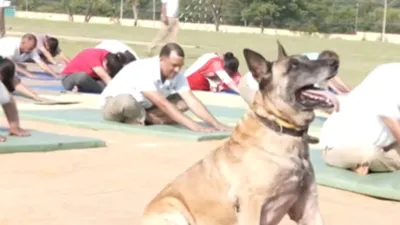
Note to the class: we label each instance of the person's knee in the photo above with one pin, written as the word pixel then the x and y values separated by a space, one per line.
pixel 123 108
pixel 81 78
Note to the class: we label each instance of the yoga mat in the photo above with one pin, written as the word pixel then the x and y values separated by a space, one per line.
pixel 380 185
pixel 38 76
pixel 57 88
pixel 91 118
pixel 233 115
pixel 43 142
pixel 50 101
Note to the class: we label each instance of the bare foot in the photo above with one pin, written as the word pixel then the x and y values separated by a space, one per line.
pixel 362 170
pixel 3 139
pixel 75 89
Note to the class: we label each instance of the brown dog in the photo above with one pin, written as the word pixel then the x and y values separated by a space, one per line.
pixel 263 172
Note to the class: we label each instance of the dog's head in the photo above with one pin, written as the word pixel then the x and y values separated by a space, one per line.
pixel 291 87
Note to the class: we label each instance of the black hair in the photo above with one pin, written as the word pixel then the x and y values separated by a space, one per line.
pixel 53 45
pixel 7 73
pixel 172 47
pixel 30 37
pixel 115 62
pixel 129 57
pixel 231 63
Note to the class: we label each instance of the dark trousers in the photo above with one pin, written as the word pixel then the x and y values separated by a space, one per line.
pixel 84 82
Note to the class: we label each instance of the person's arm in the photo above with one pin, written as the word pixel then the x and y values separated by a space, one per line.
pixel 164 17
pixel 340 82
pixel 46 68
pixel 226 79
pixel 393 125
pixel 338 85
pixel 102 73
pixel 64 58
pixel 168 108
pixel 48 56
pixel 36 58
pixel 24 90
pixel 23 71
pixel 199 109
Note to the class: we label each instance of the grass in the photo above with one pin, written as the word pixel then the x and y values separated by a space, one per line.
pixel 357 58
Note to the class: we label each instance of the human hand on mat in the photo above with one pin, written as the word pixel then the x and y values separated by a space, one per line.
pixel 204 129
pixel 18 131
pixel 223 127
pixel 3 139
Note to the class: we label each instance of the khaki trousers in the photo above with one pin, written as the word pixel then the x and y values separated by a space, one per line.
pixel 378 159
pixel 168 33
pixel 125 109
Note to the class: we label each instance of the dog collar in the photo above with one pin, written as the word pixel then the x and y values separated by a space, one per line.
pixel 281 126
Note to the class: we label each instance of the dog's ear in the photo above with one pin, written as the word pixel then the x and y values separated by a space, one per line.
pixel 281 51
pixel 258 65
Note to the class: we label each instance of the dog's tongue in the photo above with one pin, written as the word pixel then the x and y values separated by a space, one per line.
pixel 329 96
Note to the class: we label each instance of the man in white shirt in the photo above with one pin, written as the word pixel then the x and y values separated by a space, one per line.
pixel 153 90
pixel 115 46
pixel 170 27
pixel 20 49
pixel 364 135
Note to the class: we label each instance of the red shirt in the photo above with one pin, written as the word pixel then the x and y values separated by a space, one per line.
pixel 236 79
pixel 85 61
pixel 198 79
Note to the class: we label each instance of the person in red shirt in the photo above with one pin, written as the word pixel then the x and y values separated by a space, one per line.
pixel 91 70
pixel 213 72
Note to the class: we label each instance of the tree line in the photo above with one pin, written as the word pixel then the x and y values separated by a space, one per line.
pixel 325 16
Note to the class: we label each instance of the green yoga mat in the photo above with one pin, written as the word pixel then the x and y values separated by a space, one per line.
pixel 380 185
pixel 91 118
pixel 232 115
pixel 43 142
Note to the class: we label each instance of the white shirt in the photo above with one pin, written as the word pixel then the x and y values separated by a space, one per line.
pixel 141 76
pixel 115 46
pixel 358 123
pixel 251 83
pixel 9 48
pixel 172 7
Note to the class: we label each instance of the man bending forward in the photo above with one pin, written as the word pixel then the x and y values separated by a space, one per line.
pixel 365 134
pixel 153 91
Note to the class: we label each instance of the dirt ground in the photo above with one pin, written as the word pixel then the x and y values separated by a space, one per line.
pixel 112 185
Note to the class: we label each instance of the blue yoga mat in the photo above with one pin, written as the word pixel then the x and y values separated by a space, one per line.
pixel 229 91
pixel 39 76
pixel 48 87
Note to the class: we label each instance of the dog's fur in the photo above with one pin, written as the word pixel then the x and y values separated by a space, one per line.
pixel 259 175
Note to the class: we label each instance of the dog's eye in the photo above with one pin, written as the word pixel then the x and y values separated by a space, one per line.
pixel 294 63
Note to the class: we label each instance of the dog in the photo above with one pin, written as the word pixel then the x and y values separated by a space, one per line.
pixel 263 171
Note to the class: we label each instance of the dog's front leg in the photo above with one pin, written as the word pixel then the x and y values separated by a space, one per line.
pixel 249 210
pixel 305 210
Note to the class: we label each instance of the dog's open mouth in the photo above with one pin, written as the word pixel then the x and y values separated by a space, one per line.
pixel 313 97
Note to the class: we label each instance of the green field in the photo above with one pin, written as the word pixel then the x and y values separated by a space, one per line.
pixel 357 58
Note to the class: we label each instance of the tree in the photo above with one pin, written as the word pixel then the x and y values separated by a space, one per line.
pixel 260 11
pixel 216 9
pixel 68 10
